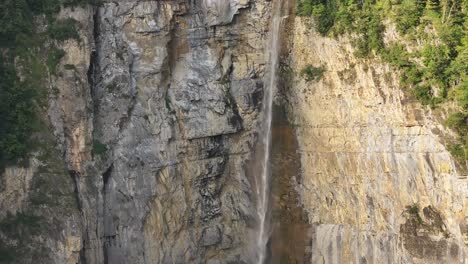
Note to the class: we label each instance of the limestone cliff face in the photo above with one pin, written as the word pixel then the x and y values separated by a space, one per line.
pixel 377 183
pixel 153 120
pixel 174 97
pixel 155 111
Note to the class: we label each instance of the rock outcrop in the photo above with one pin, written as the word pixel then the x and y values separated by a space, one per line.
pixel 378 184
pixel 153 121
pixel 174 89
pixel 155 111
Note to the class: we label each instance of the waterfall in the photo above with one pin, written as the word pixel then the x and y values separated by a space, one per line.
pixel 263 183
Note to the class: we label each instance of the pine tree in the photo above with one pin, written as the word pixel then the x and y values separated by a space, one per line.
pixel 433 4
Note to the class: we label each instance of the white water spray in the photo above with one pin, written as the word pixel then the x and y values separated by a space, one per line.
pixel 263 188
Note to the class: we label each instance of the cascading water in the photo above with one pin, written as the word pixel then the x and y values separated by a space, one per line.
pixel 263 187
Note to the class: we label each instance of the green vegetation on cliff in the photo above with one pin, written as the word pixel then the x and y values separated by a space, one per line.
pixel 311 73
pixel 17 115
pixel 29 38
pixel 28 55
pixel 99 148
pixel 433 70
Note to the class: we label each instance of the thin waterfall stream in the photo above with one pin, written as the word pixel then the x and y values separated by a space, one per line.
pixel 263 185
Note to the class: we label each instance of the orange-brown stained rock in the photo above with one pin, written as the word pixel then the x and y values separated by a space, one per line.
pixel 290 238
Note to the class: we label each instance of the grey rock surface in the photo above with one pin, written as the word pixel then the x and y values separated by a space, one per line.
pixel 171 97
pixel 154 112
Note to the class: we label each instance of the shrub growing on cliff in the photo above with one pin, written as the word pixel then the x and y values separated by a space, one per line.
pixel 370 30
pixel 7 253
pixel 47 7
pixel 311 73
pixel 436 59
pixel 99 148
pixel 53 59
pixel 396 55
pixel 17 116
pixel 413 212
pixel 423 93
pixel 438 26
pixel 458 121
pixel 15 18
pixel 322 12
pixel 73 3
pixel 15 224
pixel 460 93
pixel 459 151
pixel 64 29
pixel 409 14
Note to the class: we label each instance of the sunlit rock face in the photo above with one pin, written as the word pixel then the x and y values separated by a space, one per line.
pixel 378 184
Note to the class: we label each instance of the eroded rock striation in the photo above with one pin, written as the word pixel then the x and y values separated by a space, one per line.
pixel 154 117
pixel 378 184
pixel 173 86
pixel 155 113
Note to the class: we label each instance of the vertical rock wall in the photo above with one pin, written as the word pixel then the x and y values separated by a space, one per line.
pixel 378 185
pixel 153 120
pixel 157 142
pixel 154 111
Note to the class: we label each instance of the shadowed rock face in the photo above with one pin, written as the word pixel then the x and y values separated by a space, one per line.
pixel 173 96
pixel 155 112
pixel 291 232
pixel 424 235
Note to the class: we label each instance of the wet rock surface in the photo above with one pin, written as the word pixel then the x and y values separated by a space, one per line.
pixel 291 238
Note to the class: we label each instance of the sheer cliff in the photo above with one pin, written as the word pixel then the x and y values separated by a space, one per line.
pixel 146 152
pixel 379 186
pixel 154 111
